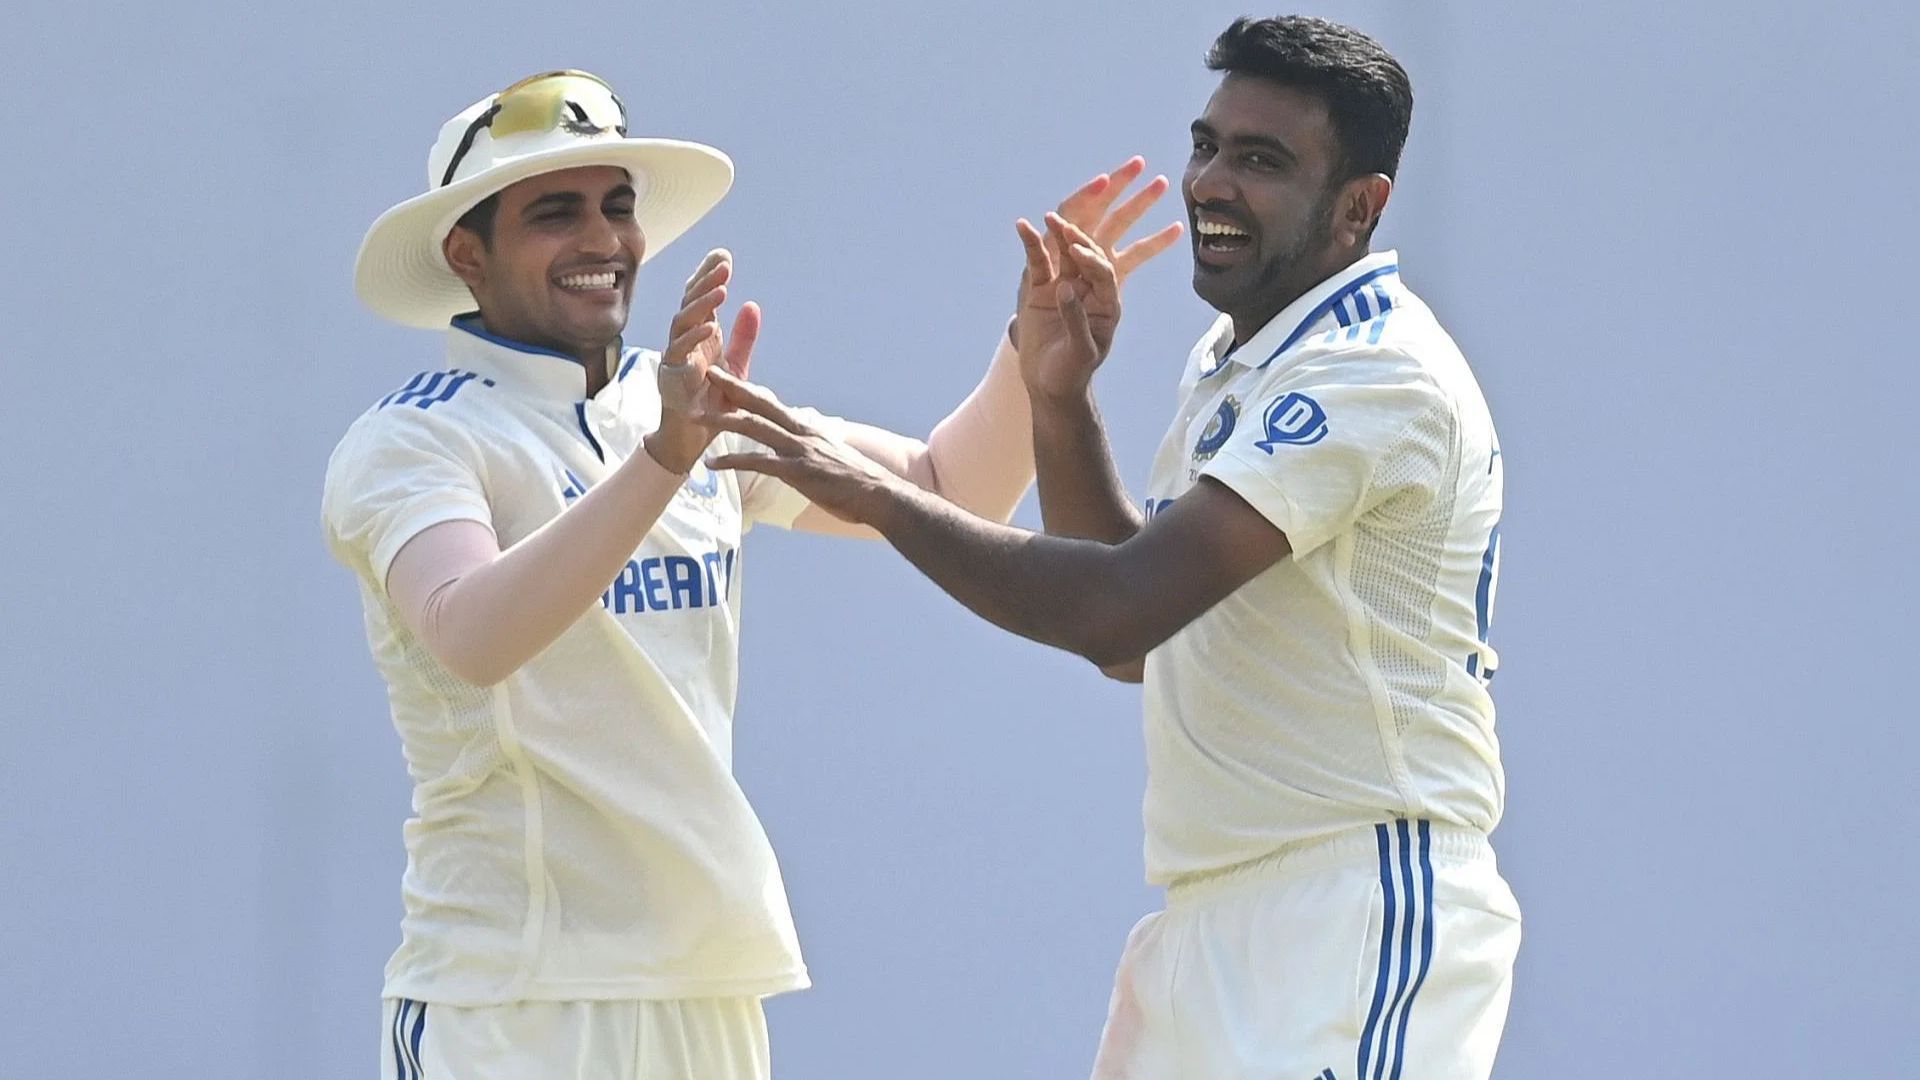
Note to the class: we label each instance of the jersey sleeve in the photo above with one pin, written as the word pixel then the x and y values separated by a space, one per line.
pixel 765 500
pixel 393 476
pixel 1320 449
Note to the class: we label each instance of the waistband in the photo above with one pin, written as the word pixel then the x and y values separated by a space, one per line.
pixel 1360 847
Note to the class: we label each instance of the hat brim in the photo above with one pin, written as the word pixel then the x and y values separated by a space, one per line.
pixel 401 273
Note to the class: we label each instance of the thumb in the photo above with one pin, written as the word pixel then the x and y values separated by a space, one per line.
pixel 738 354
pixel 1074 314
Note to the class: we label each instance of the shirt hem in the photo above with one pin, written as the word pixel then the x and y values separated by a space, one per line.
pixel 599 990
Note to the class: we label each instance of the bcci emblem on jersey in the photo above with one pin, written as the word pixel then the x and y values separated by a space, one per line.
pixel 1218 430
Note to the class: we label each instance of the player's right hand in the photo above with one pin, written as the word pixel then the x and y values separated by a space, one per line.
pixel 694 345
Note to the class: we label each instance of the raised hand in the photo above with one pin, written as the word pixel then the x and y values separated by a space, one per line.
pixel 1069 312
pixel 832 474
pixel 1087 217
pixel 695 348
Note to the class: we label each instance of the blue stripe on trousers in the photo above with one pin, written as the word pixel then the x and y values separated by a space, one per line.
pixel 1426 944
pixel 1382 840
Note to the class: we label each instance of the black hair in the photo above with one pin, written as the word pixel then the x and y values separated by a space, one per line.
pixel 1368 96
pixel 480 219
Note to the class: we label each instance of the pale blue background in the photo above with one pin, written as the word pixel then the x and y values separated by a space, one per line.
pixel 1673 238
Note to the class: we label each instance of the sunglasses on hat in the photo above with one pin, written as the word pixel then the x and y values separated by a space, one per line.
pixel 573 101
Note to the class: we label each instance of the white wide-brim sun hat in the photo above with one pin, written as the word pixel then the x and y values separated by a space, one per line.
pixel 560 120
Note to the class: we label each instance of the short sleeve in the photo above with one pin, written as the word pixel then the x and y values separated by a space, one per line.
pixel 1315 452
pixel 394 475
pixel 765 500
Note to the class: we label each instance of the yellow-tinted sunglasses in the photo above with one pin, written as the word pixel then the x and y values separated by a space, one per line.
pixel 573 101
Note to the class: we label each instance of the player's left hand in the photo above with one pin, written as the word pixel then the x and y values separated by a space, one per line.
pixel 827 470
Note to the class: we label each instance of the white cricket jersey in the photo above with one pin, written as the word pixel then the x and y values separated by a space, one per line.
pixel 1348 683
pixel 577 830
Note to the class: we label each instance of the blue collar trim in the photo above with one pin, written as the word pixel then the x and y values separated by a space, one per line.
pixel 471 324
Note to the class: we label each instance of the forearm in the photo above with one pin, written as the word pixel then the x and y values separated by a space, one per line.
pixel 1080 490
pixel 981 456
pixel 1073 594
pixel 486 620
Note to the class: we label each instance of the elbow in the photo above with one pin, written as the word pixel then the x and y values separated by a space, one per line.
pixel 1115 638
pixel 480 673
pixel 1109 621
pixel 1132 671
pixel 471 666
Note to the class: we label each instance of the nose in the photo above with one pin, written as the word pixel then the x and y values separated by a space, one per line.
pixel 599 236
pixel 1210 181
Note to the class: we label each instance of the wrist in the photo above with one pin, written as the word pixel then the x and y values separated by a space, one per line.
pixel 1065 403
pixel 891 504
pixel 675 453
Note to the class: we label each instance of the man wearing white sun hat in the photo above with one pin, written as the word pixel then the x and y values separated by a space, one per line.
pixel 550 579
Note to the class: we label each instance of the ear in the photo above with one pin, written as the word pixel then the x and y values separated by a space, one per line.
pixel 466 255
pixel 1362 200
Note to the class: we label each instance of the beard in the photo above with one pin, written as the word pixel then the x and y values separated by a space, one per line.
pixel 1277 274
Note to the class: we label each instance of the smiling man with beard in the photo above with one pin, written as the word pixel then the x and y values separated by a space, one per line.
pixel 1306 596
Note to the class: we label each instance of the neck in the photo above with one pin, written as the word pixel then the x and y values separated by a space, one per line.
pixel 596 360
pixel 598 365
pixel 1291 286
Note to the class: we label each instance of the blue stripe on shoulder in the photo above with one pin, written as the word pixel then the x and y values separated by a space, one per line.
pixel 411 383
pixel 1334 305
pixel 430 388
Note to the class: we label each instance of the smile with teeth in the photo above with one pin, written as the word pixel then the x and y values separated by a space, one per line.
pixel 602 280
pixel 1219 234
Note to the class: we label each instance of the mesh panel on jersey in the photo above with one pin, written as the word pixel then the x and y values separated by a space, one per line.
pixel 467 713
pixel 1398 550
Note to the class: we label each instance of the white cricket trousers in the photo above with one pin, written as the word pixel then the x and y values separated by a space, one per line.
pixel 691 1039
pixel 1382 953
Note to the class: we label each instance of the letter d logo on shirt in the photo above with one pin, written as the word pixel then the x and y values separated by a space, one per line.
pixel 1296 420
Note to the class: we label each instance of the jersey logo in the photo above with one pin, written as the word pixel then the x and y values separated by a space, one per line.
pixel 1218 430
pixel 1296 420
pixel 702 486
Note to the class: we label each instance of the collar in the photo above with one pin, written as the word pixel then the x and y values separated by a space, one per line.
pixel 528 369
pixel 1333 297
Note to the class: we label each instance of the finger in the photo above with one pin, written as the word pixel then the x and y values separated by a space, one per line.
pixel 758 428
pixel 1094 267
pixel 1074 314
pixel 1087 207
pixel 738 356
pixel 1089 199
pixel 698 310
pixel 717 276
pixel 1131 257
pixel 1039 261
pixel 1066 233
pixel 681 350
pixel 769 464
pixel 1128 214
pixel 714 258
pixel 755 398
